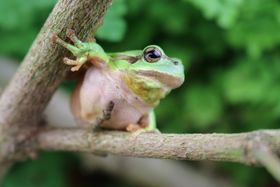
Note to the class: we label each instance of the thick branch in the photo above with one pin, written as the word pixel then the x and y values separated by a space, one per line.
pixel 24 100
pixel 217 147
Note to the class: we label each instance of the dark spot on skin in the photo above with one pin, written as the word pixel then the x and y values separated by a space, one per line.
pixel 108 111
pixel 111 105
pixel 175 62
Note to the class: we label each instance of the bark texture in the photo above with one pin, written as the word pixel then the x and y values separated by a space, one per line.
pixel 217 147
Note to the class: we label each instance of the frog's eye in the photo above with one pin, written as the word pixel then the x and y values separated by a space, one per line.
pixel 152 54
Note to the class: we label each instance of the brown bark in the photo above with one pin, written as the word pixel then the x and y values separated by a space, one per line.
pixel 217 147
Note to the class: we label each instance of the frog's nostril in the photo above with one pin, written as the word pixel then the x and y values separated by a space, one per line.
pixel 175 62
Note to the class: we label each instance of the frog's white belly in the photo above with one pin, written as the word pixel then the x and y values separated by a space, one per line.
pixel 98 91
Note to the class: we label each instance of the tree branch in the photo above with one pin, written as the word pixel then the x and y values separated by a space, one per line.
pixel 27 95
pixel 216 147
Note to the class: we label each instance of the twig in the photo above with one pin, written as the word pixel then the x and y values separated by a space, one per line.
pixel 269 160
pixel 27 95
pixel 216 147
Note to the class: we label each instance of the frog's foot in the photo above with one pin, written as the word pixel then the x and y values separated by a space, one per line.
pixel 78 49
pixel 133 127
pixel 76 68
pixel 84 52
pixel 136 130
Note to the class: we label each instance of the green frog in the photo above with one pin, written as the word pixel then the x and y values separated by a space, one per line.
pixel 120 90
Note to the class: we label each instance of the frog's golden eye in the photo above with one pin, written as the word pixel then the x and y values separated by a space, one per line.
pixel 152 54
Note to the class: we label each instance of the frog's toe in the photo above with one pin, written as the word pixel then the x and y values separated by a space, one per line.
pixel 70 33
pixel 54 38
pixel 133 127
pixel 76 68
pixel 69 61
pixel 136 131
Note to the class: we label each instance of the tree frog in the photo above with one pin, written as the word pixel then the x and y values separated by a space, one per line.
pixel 120 90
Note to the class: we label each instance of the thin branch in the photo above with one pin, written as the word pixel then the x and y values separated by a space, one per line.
pixel 269 160
pixel 216 147
pixel 27 95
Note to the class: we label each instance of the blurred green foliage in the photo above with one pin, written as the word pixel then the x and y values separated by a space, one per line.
pixel 230 49
pixel 48 170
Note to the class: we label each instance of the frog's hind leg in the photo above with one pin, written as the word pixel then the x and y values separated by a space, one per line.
pixel 152 126
pixel 147 123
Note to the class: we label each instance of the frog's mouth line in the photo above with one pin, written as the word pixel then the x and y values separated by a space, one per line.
pixel 166 79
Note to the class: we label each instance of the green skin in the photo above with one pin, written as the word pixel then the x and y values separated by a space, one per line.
pixel 145 75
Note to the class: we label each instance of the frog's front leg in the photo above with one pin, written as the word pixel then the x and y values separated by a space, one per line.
pixel 84 52
pixel 72 36
pixel 73 49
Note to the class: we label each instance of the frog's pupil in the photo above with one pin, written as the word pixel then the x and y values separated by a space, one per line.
pixel 154 54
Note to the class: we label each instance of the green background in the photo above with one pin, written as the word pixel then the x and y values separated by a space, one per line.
pixel 230 49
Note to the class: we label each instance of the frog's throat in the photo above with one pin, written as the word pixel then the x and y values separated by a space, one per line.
pixel 150 91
